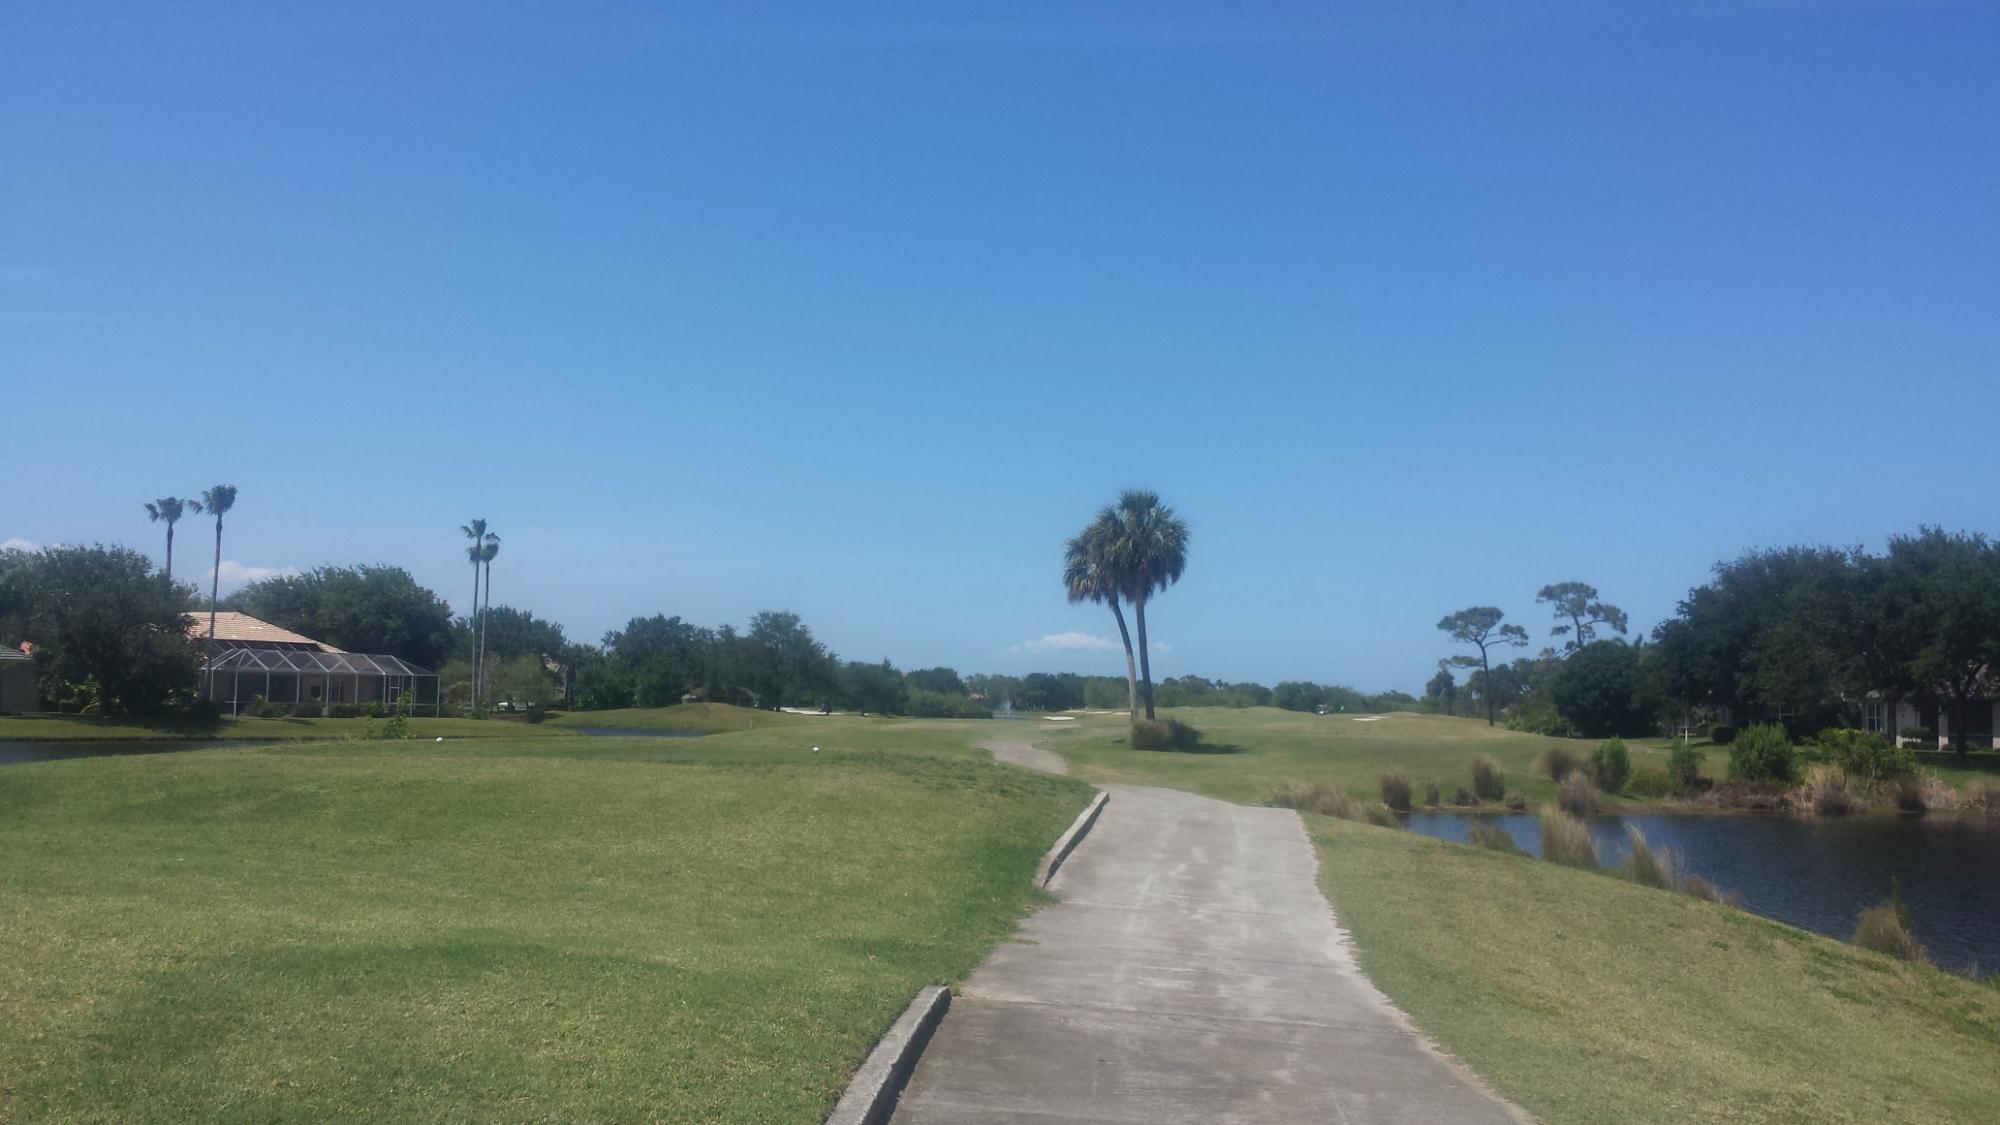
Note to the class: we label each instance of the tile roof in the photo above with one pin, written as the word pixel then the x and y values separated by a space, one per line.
pixel 245 629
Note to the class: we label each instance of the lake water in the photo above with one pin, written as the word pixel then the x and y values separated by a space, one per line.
pixel 1817 873
pixel 12 753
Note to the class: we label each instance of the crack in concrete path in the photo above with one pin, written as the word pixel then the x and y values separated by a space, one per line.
pixel 1193 973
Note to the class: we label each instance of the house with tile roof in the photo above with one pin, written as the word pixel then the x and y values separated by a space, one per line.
pixel 248 660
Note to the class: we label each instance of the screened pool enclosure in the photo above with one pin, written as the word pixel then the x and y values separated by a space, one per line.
pixel 238 676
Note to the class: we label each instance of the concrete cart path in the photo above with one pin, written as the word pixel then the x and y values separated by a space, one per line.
pixel 1027 754
pixel 1192 973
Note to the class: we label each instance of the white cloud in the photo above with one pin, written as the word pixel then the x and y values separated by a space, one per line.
pixel 1161 648
pixel 236 574
pixel 1069 642
pixel 19 545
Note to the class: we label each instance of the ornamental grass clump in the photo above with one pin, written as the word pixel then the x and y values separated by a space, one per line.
pixel 1431 793
pixel 1321 797
pixel 1558 762
pixel 1396 790
pixel 1611 765
pixel 1492 837
pixel 1885 928
pixel 1826 792
pixel 1983 796
pixel 1487 780
pixel 1649 867
pixel 1567 840
pixel 1380 816
pixel 1577 795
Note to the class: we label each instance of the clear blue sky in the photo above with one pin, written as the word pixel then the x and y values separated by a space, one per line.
pixel 859 310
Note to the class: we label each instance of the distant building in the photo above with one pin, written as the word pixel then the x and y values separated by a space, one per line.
pixel 1982 720
pixel 17 680
pixel 255 659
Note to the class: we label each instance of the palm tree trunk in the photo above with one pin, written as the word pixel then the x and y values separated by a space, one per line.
pixel 214 588
pixel 482 632
pixel 1145 662
pixel 473 635
pixel 1131 673
pixel 170 554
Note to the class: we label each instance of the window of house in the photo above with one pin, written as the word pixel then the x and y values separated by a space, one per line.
pixel 1871 717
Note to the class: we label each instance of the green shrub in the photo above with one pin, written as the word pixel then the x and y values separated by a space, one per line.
pixel 1431 793
pixel 1650 784
pixel 1684 764
pixel 1722 736
pixel 1487 779
pixel 1491 836
pixel 1925 737
pixel 343 711
pixel 1164 734
pixel 1863 756
pixel 1463 798
pixel 1763 753
pixel 1396 791
pixel 1515 802
pixel 1647 867
pixel 1558 762
pixel 1885 928
pixel 1566 840
pixel 1577 795
pixel 1611 765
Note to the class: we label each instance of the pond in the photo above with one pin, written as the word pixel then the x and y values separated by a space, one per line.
pixel 13 753
pixel 1817 873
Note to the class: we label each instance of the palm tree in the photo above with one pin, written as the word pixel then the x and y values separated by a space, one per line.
pixel 1088 579
pixel 487 550
pixel 168 510
pixel 216 502
pixel 1145 551
pixel 475 531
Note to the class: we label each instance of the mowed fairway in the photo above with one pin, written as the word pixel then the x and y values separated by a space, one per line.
pixel 566 928
pixel 1585 998
pixel 1272 747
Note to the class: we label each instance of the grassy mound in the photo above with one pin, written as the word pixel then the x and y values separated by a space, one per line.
pixel 557 929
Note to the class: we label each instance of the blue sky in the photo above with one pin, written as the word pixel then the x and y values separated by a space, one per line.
pixel 859 310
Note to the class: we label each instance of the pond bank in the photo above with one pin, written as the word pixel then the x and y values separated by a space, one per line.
pixel 1816 873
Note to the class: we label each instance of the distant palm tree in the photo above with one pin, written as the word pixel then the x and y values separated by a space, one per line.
pixel 1146 553
pixel 487 550
pixel 216 502
pixel 475 531
pixel 1088 578
pixel 168 510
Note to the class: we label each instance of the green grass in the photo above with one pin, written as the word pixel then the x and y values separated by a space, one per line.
pixel 558 929
pixel 1585 998
pixel 1276 747
pixel 92 728
pixel 1273 747
pixel 710 718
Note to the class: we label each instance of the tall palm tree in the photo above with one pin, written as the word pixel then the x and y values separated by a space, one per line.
pixel 216 502
pixel 1146 553
pixel 168 510
pixel 487 550
pixel 1088 578
pixel 475 531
